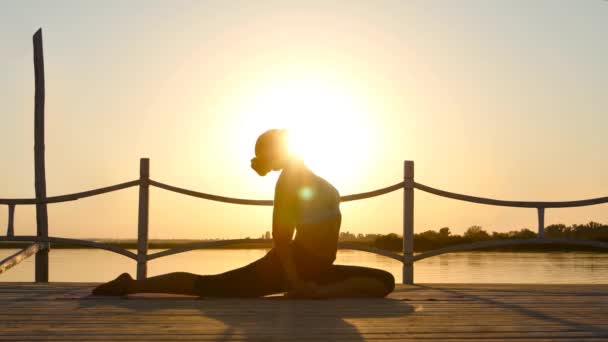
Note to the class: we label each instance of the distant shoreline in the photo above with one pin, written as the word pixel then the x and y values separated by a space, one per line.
pixel 169 244
pixel 152 244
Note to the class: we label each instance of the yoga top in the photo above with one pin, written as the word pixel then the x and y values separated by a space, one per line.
pixel 310 204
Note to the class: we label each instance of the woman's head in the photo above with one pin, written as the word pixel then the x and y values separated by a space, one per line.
pixel 271 151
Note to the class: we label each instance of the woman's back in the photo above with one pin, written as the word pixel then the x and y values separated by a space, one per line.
pixel 312 205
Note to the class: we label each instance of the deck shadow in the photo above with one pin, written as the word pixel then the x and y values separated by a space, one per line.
pixel 272 318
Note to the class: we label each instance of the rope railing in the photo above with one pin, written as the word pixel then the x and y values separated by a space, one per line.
pixel 70 197
pixel 347 198
pixel 374 193
pixel 209 196
pixel 407 257
pixel 520 204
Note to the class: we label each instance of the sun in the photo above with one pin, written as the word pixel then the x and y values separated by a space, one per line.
pixel 328 125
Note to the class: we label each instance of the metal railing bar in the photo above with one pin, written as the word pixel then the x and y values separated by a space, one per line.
pixel 510 242
pixel 369 249
pixel 18 257
pixel 68 241
pixel 221 243
pixel 201 245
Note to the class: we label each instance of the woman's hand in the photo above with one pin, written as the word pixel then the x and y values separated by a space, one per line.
pixel 303 290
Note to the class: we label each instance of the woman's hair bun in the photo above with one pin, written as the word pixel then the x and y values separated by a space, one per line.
pixel 271 142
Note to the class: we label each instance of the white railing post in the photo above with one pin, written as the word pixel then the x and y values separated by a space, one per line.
pixel 10 229
pixel 142 219
pixel 408 222
pixel 541 222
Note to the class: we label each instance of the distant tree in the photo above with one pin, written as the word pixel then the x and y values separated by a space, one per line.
pixel 445 231
pixel 347 236
pixel 523 233
pixel 476 233
pixel 391 242
pixel 433 239
pixel 555 230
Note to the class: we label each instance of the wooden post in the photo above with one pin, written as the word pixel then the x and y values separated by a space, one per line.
pixel 10 229
pixel 408 221
pixel 142 220
pixel 541 223
pixel 42 257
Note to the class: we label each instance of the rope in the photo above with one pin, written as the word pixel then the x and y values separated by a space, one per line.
pixel 70 197
pixel 224 199
pixel 209 196
pixel 520 204
pixel 346 198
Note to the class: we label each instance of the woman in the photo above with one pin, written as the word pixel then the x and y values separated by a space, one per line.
pixel 302 267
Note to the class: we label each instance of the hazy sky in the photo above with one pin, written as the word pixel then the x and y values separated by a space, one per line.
pixel 498 99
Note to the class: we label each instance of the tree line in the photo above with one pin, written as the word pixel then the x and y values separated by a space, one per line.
pixel 434 239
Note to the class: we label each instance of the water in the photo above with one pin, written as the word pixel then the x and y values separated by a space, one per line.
pixel 90 265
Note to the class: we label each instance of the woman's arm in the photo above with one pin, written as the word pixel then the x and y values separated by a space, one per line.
pixel 296 288
pixel 284 218
pixel 282 235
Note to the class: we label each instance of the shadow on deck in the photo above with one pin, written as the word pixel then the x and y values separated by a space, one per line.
pixel 436 312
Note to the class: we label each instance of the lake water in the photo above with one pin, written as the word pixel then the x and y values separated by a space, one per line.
pixel 90 265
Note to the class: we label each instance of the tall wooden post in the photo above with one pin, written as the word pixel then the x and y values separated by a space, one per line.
pixel 142 219
pixel 10 229
pixel 42 257
pixel 541 222
pixel 408 222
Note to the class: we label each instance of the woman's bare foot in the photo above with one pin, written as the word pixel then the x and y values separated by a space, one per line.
pixel 116 287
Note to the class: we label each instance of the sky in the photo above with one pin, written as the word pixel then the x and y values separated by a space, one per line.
pixel 495 99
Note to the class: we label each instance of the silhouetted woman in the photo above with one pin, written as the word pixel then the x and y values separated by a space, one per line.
pixel 302 267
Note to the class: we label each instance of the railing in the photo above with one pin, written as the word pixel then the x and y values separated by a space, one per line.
pixel 41 243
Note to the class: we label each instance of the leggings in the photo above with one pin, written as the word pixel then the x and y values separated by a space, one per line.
pixel 265 276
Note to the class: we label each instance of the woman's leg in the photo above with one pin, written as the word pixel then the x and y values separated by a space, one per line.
pixel 355 281
pixel 261 277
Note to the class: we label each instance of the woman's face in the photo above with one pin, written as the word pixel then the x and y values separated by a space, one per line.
pixel 261 166
pixel 265 162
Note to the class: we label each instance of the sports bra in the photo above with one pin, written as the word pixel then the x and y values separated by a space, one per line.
pixel 303 198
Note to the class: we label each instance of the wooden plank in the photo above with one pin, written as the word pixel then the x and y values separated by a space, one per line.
pixel 18 257
pixel 433 312
pixel 42 257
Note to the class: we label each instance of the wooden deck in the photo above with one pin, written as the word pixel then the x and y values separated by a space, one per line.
pixel 446 312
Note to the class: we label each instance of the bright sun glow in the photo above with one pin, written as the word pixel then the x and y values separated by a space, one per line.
pixel 328 126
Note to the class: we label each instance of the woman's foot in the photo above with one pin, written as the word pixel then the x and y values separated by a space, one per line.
pixel 116 287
